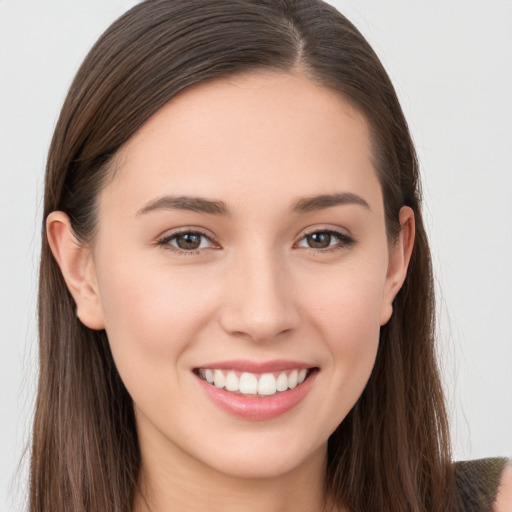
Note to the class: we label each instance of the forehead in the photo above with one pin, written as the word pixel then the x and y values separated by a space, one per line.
pixel 255 134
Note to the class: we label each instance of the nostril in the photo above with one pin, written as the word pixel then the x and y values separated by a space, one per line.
pixel 259 328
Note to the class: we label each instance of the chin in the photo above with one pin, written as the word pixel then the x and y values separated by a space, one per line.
pixel 260 462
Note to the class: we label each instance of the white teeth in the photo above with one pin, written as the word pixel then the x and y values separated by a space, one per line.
pixel 232 382
pixel 219 379
pixel 282 382
pixel 267 384
pixel 248 383
pixel 292 379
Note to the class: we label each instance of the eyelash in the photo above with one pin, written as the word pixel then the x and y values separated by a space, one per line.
pixel 344 241
pixel 165 242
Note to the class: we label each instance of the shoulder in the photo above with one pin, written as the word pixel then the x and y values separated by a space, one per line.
pixel 484 485
pixel 503 501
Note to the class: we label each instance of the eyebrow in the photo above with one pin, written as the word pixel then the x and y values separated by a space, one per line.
pixel 320 202
pixel 188 203
pixel 202 205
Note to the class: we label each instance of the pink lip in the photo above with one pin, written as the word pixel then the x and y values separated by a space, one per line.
pixel 241 365
pixel 256 407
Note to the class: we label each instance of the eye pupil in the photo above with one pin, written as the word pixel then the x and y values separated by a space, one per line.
pixel 320 240
pixel 188 241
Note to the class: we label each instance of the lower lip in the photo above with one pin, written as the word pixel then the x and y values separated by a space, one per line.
pixel 258 407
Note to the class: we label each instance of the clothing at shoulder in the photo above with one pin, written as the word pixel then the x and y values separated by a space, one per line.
pixel 478 482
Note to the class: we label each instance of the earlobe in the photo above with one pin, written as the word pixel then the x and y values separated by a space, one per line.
pixel 399 258
pixel 77 267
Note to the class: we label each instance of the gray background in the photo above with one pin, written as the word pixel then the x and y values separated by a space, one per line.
pixel 451 63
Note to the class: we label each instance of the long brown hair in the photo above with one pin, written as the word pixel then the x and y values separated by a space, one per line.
pixel 392 452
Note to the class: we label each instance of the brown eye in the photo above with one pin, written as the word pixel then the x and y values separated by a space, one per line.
pixel 188 241
pixel 324 240
pixel 319 240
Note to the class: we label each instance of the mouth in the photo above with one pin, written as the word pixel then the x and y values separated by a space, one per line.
pixel 254 384
pixel 254 391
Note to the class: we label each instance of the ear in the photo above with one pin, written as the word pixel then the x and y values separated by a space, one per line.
pixel 399 258
pixel 77 266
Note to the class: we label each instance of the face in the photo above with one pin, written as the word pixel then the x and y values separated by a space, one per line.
pixel 242 272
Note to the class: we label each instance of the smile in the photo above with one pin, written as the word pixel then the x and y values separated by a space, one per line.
pixel 256 391
pixel 247 383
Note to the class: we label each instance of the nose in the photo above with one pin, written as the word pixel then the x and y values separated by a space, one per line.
pixel 260 301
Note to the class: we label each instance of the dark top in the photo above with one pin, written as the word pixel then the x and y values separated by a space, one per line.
pixel 478 482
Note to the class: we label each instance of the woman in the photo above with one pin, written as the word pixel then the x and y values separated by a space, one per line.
pixel 236 304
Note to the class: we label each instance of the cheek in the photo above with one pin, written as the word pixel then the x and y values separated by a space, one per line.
pixel 353 336
pixel 152 317
pixel 347 306
pixel 151 314
pixel 347 314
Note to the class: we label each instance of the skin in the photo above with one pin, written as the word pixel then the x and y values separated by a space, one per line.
pixel 503 501
pixel 258 143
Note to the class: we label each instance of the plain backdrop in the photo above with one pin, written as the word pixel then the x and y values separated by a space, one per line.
pixel 451 63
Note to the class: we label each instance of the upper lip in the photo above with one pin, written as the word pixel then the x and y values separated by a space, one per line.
pixel 243 365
